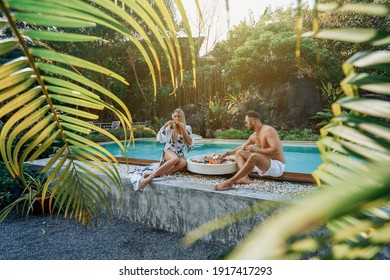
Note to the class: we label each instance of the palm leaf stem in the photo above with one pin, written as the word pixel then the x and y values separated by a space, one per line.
pixel 6 12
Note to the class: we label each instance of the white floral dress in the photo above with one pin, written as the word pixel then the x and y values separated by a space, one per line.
pixel 165 136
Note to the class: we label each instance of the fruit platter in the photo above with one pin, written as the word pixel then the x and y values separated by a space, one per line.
pixel 212 164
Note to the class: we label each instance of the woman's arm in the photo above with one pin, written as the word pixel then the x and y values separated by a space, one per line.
pixel 163 134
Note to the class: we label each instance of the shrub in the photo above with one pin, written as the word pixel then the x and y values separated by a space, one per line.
pixel 234 134
pixel 296 134
pixel 286 135
pixel 10 189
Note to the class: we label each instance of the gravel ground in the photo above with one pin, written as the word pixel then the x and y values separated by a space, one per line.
pixel 44 238
pixel 279 187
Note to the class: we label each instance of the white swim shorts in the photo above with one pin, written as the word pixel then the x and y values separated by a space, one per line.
pixel 275 170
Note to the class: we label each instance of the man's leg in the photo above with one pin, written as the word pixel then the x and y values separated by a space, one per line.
pixel 253 160
pixel 241 158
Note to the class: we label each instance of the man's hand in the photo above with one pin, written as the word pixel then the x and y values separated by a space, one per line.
pixel 251 148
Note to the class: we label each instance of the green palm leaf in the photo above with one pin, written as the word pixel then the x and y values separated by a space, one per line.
pixel 42 81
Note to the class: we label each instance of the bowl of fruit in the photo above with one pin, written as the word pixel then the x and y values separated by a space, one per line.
pixel 212 164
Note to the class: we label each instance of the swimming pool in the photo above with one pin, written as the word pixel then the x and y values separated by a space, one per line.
pixel 299 158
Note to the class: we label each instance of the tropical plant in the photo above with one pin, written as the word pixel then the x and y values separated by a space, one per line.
pixel 354 197
pixel 296 134
pixel 31 199
pixel 330 95
pixel 232 99
pixel 217 115
pixel 232 133
pixel 41 81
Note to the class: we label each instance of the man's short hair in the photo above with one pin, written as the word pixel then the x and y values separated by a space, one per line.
pixel 252 114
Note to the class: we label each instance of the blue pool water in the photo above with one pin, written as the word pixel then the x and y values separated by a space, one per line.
pixel 299 158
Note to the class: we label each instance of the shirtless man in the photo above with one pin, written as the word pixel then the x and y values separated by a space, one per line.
pixel 261 153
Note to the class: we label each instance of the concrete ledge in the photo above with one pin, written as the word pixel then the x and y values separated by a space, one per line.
pixel 180 206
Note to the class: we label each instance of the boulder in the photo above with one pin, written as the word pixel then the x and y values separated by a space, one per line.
pixel 197 123
pixel 291 103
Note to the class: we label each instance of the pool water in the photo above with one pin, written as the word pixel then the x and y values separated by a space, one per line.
pixel 299 158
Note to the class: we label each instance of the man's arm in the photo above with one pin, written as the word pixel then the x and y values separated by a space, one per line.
pixel 232 152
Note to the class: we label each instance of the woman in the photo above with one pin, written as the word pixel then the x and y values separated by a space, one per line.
pixel 177 135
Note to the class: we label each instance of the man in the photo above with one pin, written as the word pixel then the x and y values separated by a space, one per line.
pixel 261 153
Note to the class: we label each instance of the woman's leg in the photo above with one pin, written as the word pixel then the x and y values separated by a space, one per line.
pixel 171 159
pixel 180 165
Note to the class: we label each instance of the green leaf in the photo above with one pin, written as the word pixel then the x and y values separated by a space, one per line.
pixel 382 235
pixel 328 204
pixel 67 73
pixel 7 45
pixel 376 127
pixel 12 66
pixel 373 36
pixel 70 89
pixel 14 90
pixel 93 127
pixel 75 61
pixel 372 107
pixel 41 134
pixel 377 84
pixel 362 151
pixel 19 101
pixel 60 36
pixel 355 136
pixel 109 171
pixel 21 113
pixel 72 75
pixel 3 24
pixel 48 20
pixel 53 9
pixel 80 139
pixel 345 161
pixel 45 146
pixel 330 144
pixel 379 60
pixel 362 8
pixel 76 101
pixel 76 128
pixel 34 125
pixel 16 78
pixel 77 112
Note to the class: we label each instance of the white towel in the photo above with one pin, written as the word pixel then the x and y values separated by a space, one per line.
pixel 137 174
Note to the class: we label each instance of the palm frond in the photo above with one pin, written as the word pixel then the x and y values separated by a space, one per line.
pixel 42 82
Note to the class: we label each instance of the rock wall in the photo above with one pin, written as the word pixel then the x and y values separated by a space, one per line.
pixel 291 103
pixel 283 105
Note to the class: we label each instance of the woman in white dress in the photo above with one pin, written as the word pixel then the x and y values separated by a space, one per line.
pixel 177 136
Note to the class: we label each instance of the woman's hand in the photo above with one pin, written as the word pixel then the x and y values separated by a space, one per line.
pixel 168 123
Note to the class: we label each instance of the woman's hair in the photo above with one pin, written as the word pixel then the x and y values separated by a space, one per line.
pixel 182 119
pixel 181 114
